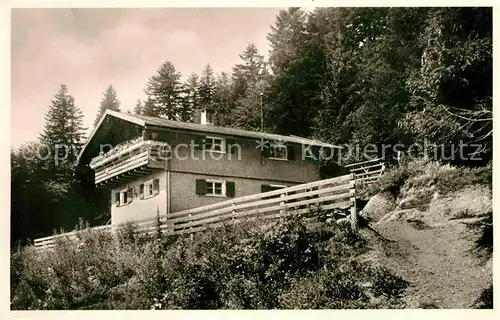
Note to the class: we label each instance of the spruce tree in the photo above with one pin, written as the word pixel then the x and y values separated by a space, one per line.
pixel 253 68
pixel 165 88
pixel 190 98
pixel 191 87
pixel 108 101
pixel 286 38
pixel 223 101
pixel 139 108
pixel 206 87
pixel 299 63
pixel 150 108
pixel 63 132
pixel 250 79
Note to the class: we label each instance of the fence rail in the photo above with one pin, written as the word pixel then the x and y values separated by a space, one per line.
pixel 338 192
pixel 367 172
pixel 49 242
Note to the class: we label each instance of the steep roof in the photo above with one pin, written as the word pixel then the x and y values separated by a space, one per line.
pixel 194 127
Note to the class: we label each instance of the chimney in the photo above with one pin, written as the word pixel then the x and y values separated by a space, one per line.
pixel 207 117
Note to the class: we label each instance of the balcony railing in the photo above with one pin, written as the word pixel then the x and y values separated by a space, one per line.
pixel 118 150
pixel 140 156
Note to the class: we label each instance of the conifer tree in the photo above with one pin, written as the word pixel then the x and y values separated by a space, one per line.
pixel 190 98
pixel 108 101
pixel 250 79
pixel 150 108
pixel 139 108
pixel 223 102
pixel 286 38
pixel 253 68
pixel 206 87
pixel 165 88
pixel 64 132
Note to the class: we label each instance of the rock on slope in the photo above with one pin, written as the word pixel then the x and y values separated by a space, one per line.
pixel 433 247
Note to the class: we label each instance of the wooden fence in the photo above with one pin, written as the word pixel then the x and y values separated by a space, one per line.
pixel 367 172
pixel 338 192
pixel 48 242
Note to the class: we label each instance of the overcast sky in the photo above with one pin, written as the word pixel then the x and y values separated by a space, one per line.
pixel 89 49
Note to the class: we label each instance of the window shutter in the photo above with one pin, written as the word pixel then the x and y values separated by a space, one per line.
pixel 265 188
pixel 230 189
pixel 130 194
pixel 199 142
pixel 201 186
pixel 156 186
pixel 265 151
pixel 291 152
pixel 117 199
pixel 230 145
pixel 141 191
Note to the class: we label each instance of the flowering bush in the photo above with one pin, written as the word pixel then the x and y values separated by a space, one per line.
pixel 119 147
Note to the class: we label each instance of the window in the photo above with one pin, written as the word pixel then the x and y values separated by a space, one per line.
pixel 149 189
pixel 278 152
pixel 215 144
pixel 124 197
pixel 215 188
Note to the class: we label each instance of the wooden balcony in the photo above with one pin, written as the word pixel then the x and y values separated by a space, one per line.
pixel 125 163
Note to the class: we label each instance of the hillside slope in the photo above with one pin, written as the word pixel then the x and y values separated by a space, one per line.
pixel 428 211
pixel 424 253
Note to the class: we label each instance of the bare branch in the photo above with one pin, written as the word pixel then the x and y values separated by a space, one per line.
pixel 470 112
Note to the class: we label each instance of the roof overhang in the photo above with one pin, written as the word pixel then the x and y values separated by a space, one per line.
pixel 101 129
pixel 103 126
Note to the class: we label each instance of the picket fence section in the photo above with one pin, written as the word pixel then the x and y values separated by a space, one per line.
pixel 338 192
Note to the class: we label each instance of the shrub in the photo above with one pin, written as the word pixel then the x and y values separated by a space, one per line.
pixel 421 174
pixel 348 285
pixel 454 180
pixel 483 244
pixel 252 265
pixel 386 283
pixel 330 289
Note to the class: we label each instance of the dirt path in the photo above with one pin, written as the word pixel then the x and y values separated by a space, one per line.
pixel 436 261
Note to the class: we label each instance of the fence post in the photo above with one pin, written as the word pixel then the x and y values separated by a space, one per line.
pixel 282 204
pixel 190 227
pixel 233 213
pixel 354 217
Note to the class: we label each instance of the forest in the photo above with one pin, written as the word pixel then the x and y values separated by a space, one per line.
pixel 348 76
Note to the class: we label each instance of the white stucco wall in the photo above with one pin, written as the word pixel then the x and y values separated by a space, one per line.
pixel 140 208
